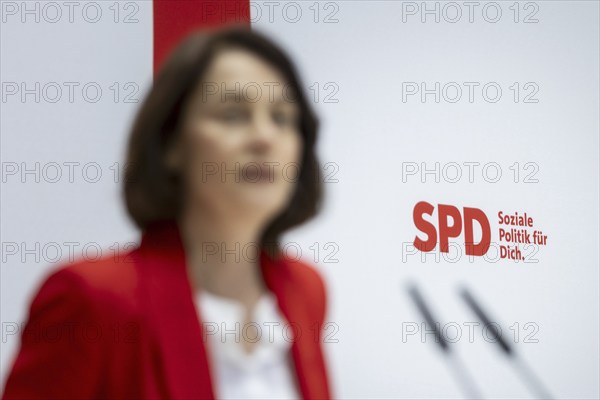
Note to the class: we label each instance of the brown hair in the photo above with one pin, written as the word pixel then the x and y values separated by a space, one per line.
pixel 152 193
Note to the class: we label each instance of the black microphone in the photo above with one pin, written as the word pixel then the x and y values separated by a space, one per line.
pixel 456 366
pixel 523 370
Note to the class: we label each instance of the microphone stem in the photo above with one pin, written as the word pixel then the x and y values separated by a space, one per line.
pixel 462 376
pixel 535 384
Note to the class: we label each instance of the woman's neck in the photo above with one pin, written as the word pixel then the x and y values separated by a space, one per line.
pixel 223 254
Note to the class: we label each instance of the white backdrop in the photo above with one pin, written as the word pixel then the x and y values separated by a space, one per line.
pixel 359 61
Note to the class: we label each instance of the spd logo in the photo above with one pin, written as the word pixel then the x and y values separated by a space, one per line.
pixel 451 223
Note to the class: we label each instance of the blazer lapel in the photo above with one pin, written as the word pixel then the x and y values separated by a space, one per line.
pixel 171 307
pixel 177 322
pixel 304 349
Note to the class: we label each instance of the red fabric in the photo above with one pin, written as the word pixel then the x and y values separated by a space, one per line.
pixel 174 19
pixel 127 327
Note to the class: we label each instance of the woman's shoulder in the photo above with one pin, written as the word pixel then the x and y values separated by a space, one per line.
pixel 305 272
pixel 81 312
pixel 105 285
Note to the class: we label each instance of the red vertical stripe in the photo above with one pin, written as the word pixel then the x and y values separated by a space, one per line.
pixel 174 19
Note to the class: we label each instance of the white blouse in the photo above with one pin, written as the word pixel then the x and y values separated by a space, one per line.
pixel 267 371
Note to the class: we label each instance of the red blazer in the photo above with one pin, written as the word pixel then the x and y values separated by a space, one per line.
pixel 127 327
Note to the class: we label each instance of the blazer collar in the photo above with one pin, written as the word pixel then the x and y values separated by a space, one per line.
pixel 169 298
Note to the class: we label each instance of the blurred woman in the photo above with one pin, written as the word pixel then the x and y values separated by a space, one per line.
pixel 221 161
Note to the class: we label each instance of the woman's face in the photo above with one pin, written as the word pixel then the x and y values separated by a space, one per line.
pixel 240 144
